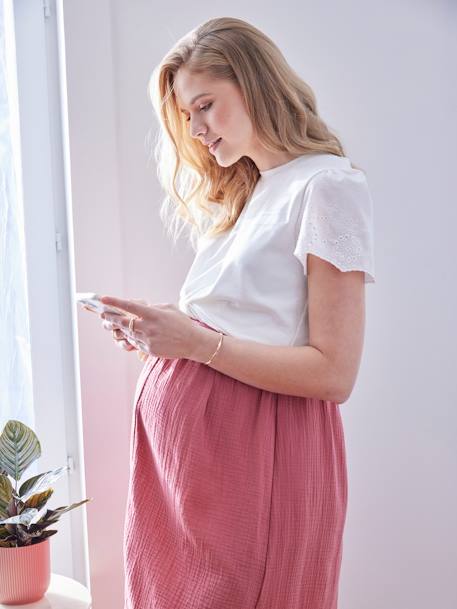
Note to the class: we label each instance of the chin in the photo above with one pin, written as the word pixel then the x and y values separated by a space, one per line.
pixel 227 161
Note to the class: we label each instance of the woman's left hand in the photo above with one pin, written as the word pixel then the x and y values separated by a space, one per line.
pixel 164 330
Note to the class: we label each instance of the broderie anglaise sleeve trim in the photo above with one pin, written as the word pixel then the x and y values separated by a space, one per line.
pixel 337 221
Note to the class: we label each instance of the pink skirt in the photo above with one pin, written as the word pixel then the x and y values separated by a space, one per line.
pixel 237 495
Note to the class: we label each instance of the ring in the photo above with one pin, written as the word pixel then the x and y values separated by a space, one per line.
pixel 131 322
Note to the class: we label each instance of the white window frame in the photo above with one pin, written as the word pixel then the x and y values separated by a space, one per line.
pixel 40 52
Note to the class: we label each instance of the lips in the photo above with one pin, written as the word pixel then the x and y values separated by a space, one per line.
pixel 208 143
pixel 212 147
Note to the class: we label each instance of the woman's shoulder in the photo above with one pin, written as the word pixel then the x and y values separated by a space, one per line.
pixel 330 164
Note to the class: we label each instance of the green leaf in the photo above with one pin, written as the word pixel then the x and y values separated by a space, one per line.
pixel 53 515
pixel 4 533
pixel 24 518
pixel 6 492
pixel 61 510
pixel 41 525
pixel 39 500
pixel 19 447
pixel 28 517
pixel 22 535
pixel 12 508
pixel 44 535
pixel 40 482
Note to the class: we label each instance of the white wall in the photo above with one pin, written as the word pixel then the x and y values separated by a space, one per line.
pixel 98 240
pixel 385 79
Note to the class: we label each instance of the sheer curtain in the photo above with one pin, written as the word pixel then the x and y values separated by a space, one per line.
pixel 16 397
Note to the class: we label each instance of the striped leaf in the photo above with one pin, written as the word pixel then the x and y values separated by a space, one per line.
pixel 40 482
pixel 6 492
pixel 26 517
pixel 19 447
pixel 48 533
pixel 39 499
pixel 53 516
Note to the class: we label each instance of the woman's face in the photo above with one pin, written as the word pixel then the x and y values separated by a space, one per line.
pixel 219 113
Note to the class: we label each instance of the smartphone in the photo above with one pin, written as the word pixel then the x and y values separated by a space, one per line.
pixel 92 301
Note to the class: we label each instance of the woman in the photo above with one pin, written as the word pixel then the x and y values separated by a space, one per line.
pixel 238 488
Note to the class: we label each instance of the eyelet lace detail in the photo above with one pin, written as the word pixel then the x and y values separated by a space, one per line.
pixel 337 222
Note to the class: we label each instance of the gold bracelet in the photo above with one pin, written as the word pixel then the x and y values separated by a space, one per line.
pixel 218 347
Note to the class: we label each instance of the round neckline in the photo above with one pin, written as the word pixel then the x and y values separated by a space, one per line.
pixel 278 168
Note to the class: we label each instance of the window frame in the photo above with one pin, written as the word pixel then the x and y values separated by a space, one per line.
pixel 49 252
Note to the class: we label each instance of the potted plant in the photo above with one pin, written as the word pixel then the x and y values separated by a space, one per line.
pixel 24 519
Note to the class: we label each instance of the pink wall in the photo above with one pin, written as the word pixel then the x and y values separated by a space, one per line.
pixel 106 390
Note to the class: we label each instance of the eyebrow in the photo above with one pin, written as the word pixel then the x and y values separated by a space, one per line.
pixel 194 99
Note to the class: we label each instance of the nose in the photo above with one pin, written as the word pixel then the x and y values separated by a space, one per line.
pixel 197 129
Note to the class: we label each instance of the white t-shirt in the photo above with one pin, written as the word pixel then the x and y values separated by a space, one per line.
pixel 251 282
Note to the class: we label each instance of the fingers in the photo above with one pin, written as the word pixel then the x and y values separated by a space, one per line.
pixel 117 333
pixel 88 308
pixel 121 340
pixel 123 343
pixel 119 337
pixel 121 322
pixel 130 306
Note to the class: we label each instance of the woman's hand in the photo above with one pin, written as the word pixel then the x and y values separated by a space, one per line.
pixel 121 339
pixel 122 342
pixel 162 330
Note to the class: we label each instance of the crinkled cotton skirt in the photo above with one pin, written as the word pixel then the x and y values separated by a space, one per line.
pixel 237 495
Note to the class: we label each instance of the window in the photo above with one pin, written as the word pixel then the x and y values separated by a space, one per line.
pixel 15 371
pixel 39 378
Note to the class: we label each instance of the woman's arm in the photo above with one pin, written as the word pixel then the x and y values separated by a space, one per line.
pixel 326 368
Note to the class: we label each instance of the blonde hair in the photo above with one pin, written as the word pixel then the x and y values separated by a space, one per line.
pixel 281 107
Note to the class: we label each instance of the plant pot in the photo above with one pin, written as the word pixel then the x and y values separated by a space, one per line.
pixel 25 573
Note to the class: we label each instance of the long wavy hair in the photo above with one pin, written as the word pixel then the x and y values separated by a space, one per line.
pixel 201 194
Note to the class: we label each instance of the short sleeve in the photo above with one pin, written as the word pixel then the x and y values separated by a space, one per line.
pixel 337 222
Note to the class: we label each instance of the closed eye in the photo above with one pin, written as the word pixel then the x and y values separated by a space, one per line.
pixel 205 108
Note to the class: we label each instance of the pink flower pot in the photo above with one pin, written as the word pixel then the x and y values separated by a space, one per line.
pixel 25 573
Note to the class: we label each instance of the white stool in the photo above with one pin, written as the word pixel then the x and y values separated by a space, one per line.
pixel 63 593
